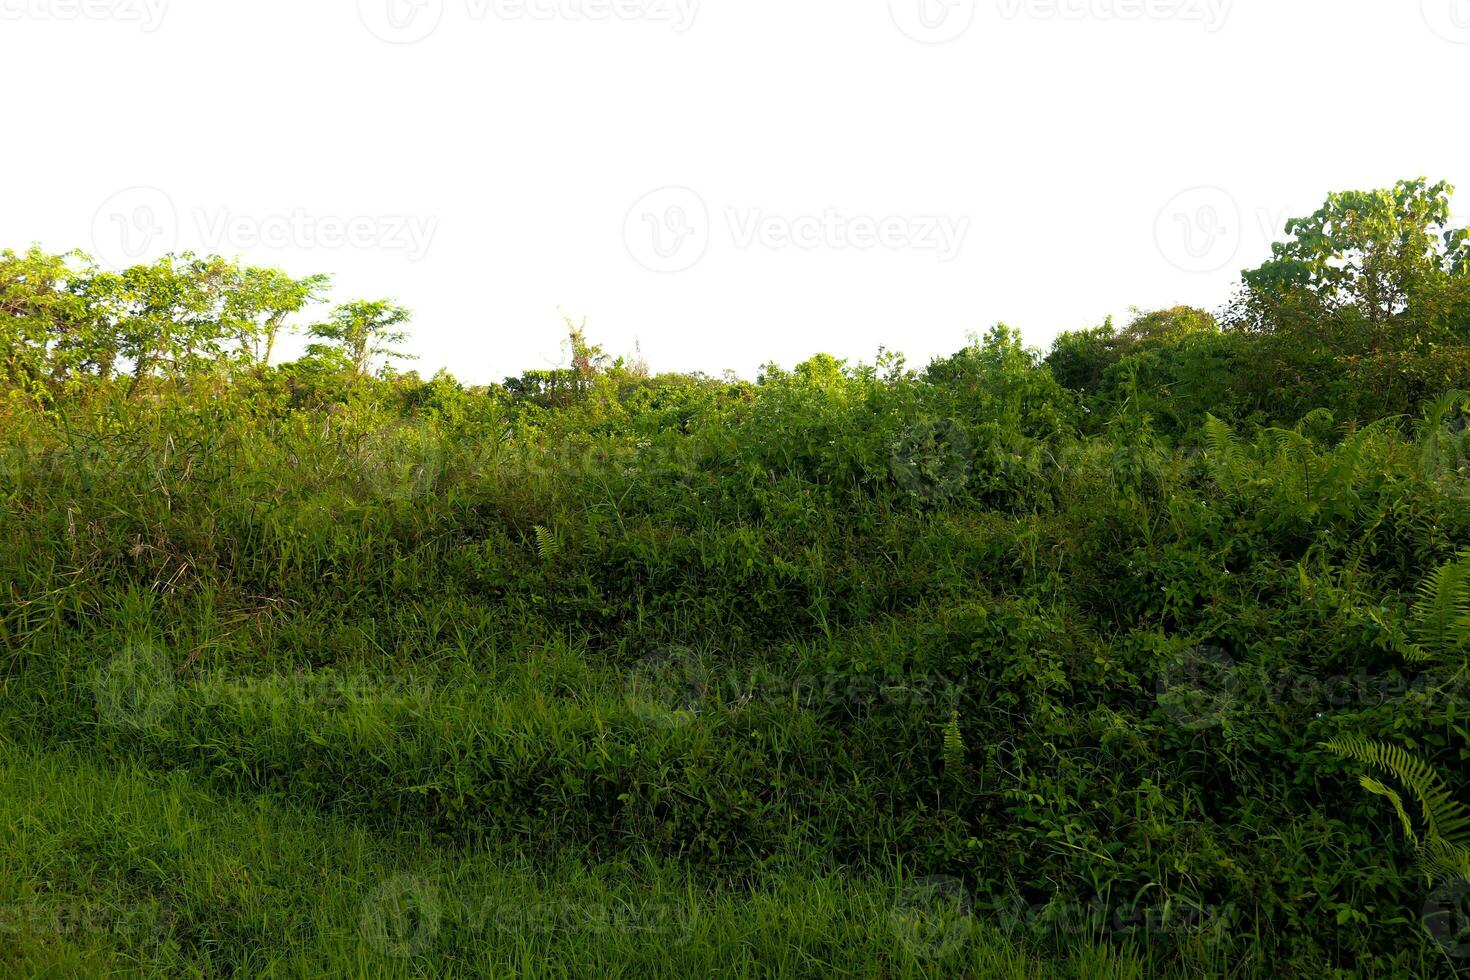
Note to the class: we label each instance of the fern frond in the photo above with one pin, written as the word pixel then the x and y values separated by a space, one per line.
pixel 1439 410
pixel 1442 614
pixel 1444 860
pixel 954 746
pixel 1445 820
pixel 1224 450
pixel 1340 469
pixel 1295 447
pixel 548 545
pixel 1379 789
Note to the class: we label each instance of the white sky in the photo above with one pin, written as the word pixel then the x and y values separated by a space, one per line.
pixel 1039 167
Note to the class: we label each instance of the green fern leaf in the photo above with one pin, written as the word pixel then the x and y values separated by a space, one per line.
pixel 1442 614
pixel 1446 822
pixel 548 545
pixel 1224 451
pixel 1379 789
pixel 954 746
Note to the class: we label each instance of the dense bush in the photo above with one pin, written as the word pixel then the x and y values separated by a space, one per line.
pixel 1071 630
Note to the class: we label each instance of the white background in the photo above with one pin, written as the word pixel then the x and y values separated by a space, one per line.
pixel 1072 136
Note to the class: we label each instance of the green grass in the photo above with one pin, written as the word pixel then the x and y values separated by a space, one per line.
pixel 1013 666
pixel 710 687
pixel 120 870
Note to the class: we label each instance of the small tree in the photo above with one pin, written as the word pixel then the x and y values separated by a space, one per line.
pixel 258 305
pixel 40 314
pixel 1365 308
pixel 1167 326
pixel 1370 254
pixel 588 360
pixel 1079 359
pixel 168 313
pixel 363 331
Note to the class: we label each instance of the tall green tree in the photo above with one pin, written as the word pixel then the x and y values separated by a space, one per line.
pixel 1365 307
pixel 1365 257
pixel 258 305
pixel 39 309
pixel 363 331
pixel 165 317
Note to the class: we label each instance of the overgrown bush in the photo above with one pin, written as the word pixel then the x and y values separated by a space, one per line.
pixel 1099 627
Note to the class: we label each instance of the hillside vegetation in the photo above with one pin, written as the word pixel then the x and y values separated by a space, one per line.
pixel 1143 656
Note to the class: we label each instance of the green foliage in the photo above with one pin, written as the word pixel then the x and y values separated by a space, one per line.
pixel 363 331
pixel 1079 359
pixel 1100 629
pixel 1442 614
pixel 1365 307
pixel 954 748
pixel 1444 841
pixel 67 326
pixel 1176 362
pixel 1372 252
